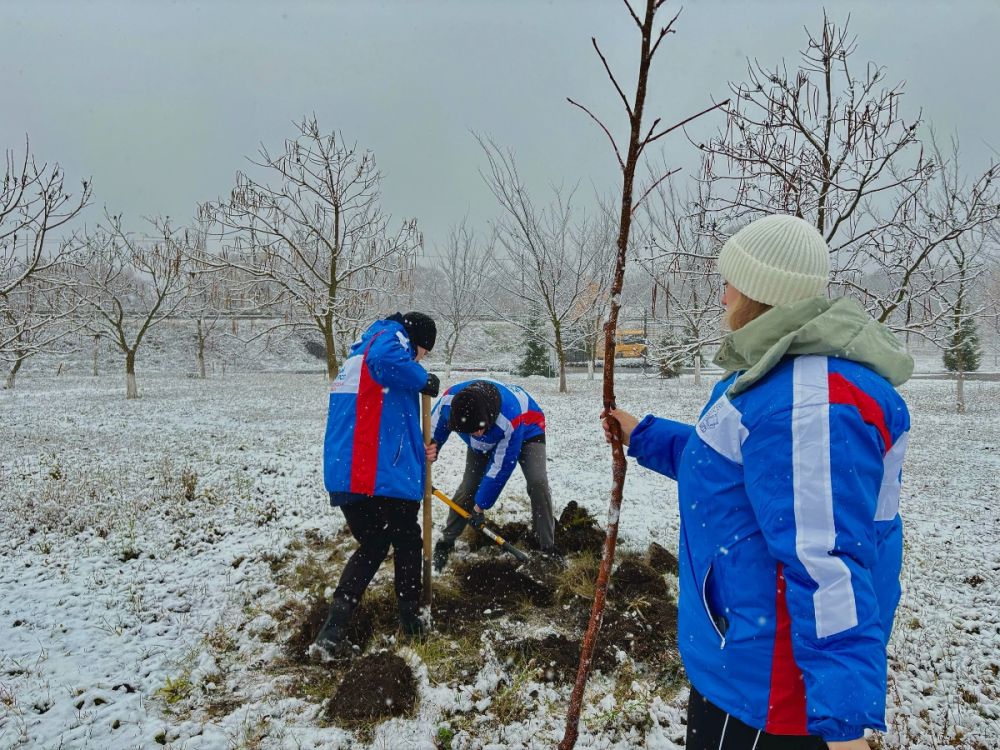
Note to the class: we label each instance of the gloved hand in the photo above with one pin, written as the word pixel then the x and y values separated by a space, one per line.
pixel 477 518
pixel 432 387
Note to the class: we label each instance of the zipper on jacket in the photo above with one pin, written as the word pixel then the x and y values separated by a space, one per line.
pixel 708 611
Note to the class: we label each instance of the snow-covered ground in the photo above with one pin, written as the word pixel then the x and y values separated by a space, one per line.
pixel 139 540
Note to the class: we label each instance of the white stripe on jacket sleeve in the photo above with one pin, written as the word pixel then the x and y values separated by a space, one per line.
pixel 815 531
pixel 501 450
pixel 438 411
pixel 888 495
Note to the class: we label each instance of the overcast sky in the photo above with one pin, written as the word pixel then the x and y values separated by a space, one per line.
pixel 161 102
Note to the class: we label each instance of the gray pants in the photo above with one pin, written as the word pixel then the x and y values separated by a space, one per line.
pixel 532 461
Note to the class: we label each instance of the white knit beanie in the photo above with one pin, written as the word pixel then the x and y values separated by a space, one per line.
pixel 776 260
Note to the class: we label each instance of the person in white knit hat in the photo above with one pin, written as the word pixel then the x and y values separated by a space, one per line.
pixel 788 487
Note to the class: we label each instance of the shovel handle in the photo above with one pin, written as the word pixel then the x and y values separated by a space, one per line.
pixel 492 535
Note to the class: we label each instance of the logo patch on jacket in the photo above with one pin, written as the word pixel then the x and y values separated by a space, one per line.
pixel 722 429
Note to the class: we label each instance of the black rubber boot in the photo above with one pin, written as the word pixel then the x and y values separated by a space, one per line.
pixel 441 552
pixel 409 620
pixel 331 641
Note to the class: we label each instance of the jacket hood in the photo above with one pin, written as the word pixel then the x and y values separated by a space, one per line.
pixel 834 328
pixel 390 327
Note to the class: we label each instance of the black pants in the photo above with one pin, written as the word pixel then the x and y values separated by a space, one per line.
pixel 711 728
pixel 377 523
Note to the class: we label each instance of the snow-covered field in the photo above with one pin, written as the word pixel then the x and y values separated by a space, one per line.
pixel 140 540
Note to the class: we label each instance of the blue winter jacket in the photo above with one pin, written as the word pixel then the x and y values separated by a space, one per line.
pixel 791 543
pixel 373 444
pixel 520 419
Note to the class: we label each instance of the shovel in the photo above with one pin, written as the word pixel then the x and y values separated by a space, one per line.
pixel 493 536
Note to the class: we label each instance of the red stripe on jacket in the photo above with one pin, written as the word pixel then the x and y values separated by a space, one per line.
pixel 529 417
pixel 786 705
pixel 843 391
pixel 367 421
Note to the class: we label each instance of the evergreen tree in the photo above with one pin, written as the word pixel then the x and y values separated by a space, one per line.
pixel 536 353
pixel 669 356
pixel 963 352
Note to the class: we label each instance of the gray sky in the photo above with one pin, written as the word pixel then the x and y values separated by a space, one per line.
pixel 160 102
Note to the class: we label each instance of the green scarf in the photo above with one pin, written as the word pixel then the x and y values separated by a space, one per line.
pixel 834 328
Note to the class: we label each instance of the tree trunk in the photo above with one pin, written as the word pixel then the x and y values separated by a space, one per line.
pixel 592 349
pixel 451 346
pixel 697 367
pixel 561 357
pixel 960 391
pixel 93 368
pixel 331 348
pixel 618 465
pixel 201 351
pixel 12 375
pixel 131 387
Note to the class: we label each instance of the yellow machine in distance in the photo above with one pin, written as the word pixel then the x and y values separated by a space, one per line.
pixel 630 343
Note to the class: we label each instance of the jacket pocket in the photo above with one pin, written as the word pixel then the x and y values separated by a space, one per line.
pixel 719 624
pixel 399 451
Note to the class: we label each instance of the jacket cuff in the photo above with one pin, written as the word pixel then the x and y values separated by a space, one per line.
pixel 635 447
pixel 832 730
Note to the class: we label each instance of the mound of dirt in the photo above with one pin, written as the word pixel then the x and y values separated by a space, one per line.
pixel 497 583
pixel 662 559
pixel 577 530
pixel 633 578
pixel 647 632
pixel 558 655
pixel 377 686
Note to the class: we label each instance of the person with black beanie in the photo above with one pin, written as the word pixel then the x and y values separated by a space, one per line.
pixel 502 426
pixel 374 460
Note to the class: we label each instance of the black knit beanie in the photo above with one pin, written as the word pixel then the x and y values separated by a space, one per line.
pixel 420 328
pixel 475 407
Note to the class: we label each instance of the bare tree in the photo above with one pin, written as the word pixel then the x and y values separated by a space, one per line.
pixel 130 284
pixel 962 219
pixel 34 316
pixel 913 254
pixel 825 142
pixel 311 235
pixel 550 260
pixel 34 310
pixel 682 245
pixel 207 294
pixel 637 144
pixel 464 284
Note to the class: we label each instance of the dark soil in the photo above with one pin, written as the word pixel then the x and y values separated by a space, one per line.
pixel 640 618
pixel 662 559
pixel 376 687
pixel 577 531
pixel 647 632
pixel 559 656
pixel 306 621
pixel 496 583
pixel 633 578
pixel 454 613
pixel 516 532
pixel 375 614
